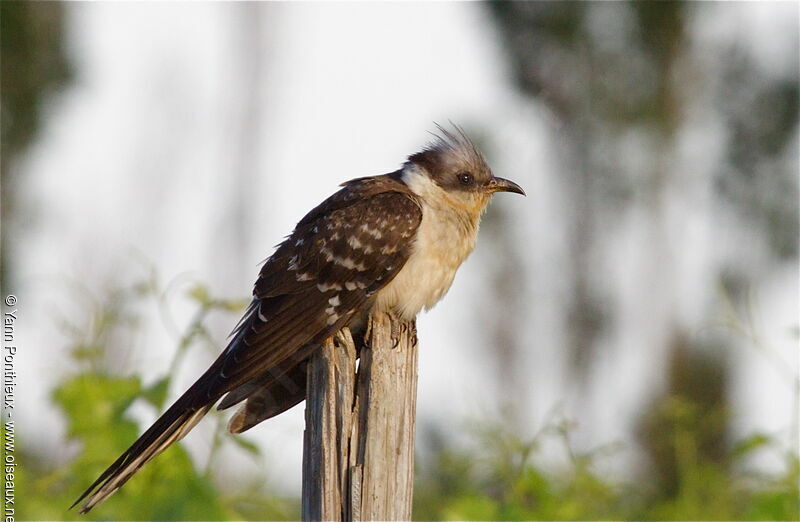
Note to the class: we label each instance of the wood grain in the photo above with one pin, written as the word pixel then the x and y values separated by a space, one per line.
pixel 358 458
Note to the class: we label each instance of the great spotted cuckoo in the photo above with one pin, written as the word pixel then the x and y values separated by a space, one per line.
pixel 383 243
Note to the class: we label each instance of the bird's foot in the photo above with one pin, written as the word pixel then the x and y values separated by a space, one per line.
pixel 398 329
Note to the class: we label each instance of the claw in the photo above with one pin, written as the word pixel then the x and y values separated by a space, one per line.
pixel 397 331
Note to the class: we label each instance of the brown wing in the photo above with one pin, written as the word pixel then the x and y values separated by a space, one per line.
pixel 319 278
pixel 339 255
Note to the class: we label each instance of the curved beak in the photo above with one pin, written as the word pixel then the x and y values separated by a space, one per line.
pixel 503 185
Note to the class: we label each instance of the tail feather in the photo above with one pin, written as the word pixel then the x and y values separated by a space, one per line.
pixel 268 399
pixel 172 426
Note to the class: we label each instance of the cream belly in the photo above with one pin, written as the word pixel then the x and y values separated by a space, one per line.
pixel 444 239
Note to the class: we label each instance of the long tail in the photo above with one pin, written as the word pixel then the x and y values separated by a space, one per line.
pixel 266 397
pixel 172 426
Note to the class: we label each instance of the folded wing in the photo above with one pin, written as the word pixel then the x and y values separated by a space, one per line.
pixel 318 279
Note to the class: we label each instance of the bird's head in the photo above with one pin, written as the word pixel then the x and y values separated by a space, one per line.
pixel 451 170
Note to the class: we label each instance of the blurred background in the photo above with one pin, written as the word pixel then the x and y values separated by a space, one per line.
pixel 623 343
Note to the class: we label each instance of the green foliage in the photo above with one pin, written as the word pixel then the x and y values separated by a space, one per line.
pixel 95 404
pixel 498 478
pixel 499 475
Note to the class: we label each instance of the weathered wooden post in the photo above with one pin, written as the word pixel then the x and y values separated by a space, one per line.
pixel 358 455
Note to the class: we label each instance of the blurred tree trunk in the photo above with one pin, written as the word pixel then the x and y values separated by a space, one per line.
pixel 603 87
pixel 558 60
pixel 33 65
pixel 685 428
pixel 245 101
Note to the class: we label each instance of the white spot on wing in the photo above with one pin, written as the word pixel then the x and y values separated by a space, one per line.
pixel 345 262
pixel 374 232
pixel 328 253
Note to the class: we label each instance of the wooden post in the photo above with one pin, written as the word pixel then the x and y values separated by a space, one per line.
pixel 329 399
pixel 358 455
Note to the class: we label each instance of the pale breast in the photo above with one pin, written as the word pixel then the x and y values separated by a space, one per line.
pixel 443 241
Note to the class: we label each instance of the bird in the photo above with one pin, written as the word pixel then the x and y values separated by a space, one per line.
pixel 387 243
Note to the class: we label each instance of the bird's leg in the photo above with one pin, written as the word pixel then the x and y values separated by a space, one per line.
pixel 398 328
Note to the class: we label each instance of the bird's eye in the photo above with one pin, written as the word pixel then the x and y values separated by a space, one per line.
pixel 465 178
